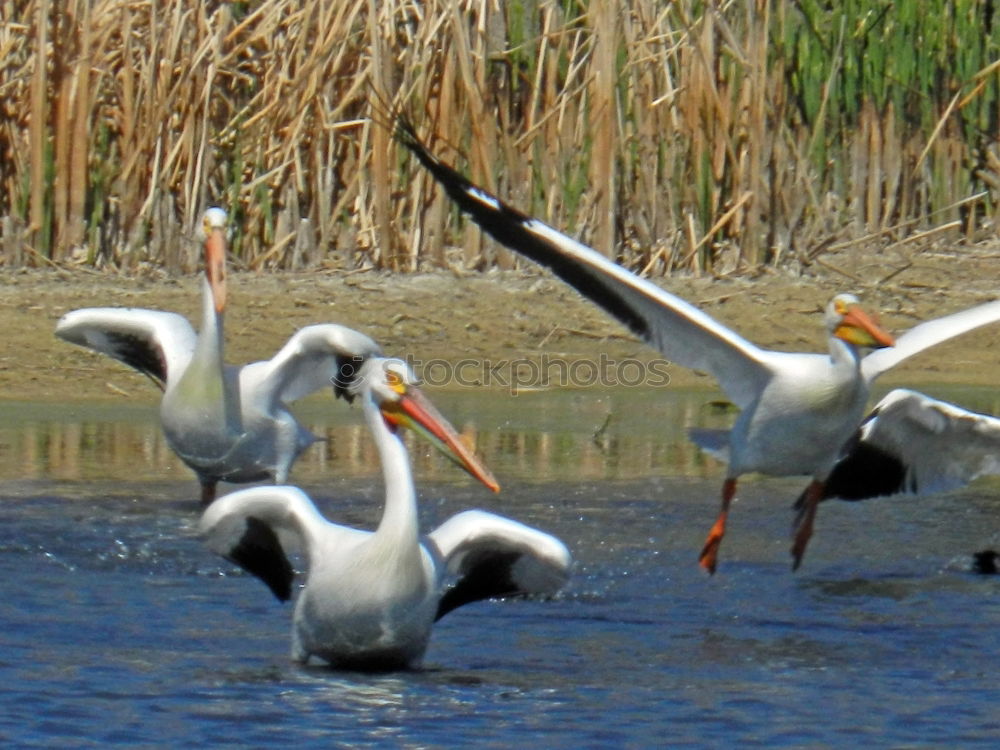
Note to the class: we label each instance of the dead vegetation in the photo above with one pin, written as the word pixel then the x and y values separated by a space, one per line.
pixel 685 135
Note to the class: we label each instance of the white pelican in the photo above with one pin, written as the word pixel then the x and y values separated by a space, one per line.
pixel 916 445
pixel 798 410
pixel 226 423
pixel 371 598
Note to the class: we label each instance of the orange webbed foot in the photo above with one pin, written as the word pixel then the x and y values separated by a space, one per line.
pixel 708 559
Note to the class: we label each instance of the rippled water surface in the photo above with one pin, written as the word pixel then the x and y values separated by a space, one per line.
pixel 118 628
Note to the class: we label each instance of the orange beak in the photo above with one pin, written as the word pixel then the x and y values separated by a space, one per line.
pixel 215 266
pixel 415 411
pixel 856 327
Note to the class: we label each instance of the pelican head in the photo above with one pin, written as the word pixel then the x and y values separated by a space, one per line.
pixel 392 386
pixel 847 321
pixel 213 226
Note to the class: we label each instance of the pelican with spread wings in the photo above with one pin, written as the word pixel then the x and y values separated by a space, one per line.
pixel 798 410
pixel 227 423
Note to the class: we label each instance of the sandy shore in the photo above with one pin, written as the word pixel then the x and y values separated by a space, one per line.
pixel 495 317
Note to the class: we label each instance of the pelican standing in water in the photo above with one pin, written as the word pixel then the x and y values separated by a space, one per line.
pixel 797 410
pixel 371 597
pixel 226 423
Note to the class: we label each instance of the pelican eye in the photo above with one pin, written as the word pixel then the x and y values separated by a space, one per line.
pixel 395 381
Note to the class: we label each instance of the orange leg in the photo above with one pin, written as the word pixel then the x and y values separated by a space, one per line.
pixel 709 553
pixel 803 528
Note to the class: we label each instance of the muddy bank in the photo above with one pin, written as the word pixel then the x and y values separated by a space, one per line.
pixel 495 317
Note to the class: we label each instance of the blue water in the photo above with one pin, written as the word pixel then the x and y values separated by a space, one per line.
pixel 119 628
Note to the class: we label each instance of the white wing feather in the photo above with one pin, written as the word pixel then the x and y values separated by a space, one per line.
pixel 311 359
pixel 926 335
pixel 543 567
pixel 941 445
pixel 677 329
pixel 681 332
pixel 152 341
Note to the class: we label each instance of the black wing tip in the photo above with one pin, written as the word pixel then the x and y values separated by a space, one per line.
pixel 488 577
pixel 985 562
pixel 340 391
pixel 405 132
pixel 866 472
pixel 260 553
pixel 134 351
pixel 514 229
pixel 348 372
pixel 140 354
pixel 454 182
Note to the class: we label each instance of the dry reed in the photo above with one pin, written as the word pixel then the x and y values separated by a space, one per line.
pixel 684 135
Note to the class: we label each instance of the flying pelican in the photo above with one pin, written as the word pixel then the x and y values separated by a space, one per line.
pixel 226 423
pixel 798 410
pixel 371 597
pixel 914 444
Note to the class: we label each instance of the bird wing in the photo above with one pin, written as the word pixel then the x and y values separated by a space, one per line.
pixel 314 357
pixel 258 527
pixel 493 556
pixel 157 343
pixel 926 335
pixel 681 332
pixel 713 441
pixel 914 444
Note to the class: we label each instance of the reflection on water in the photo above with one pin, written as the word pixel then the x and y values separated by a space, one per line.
pixel 542 436
pixel 552 435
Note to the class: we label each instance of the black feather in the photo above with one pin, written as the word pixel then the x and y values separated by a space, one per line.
pixel 985 562
pixel 259 552
pixel 348 371
pixel 507 226
pixel 864 473
pixel 140 353
pixel 486 576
